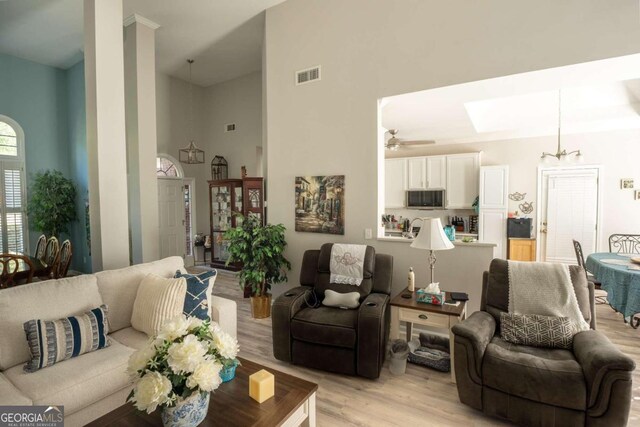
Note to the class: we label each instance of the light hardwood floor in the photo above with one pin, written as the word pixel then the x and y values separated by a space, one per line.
pixel 421 397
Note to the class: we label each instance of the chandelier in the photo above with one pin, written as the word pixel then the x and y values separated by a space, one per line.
pixel 192 154
pixel 561 154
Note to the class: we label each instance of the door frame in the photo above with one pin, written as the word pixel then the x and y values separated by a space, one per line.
pixel 192 183
pixel 541 171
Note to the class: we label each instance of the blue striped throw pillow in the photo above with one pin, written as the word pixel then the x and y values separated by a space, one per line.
pixel 196 303
pixel 52 341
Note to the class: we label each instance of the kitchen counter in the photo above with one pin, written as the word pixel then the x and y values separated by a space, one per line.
pixel 455 243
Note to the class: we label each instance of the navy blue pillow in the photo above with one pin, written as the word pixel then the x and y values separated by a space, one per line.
pixel 196 302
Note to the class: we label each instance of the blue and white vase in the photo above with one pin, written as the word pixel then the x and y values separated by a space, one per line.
pixel 188 412
pixel 227 373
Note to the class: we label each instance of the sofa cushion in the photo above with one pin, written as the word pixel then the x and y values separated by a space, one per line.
pixel 52 341
pixel 158 300
pixel 550 376
pixel 199 290
pixel 119 287
pixel 326 325
pixel 48 300
pixel 10 395
pixel 131 338
pixel 78 382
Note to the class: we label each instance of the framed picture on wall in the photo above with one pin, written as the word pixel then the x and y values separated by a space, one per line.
pixel 626 183
pixel 320 204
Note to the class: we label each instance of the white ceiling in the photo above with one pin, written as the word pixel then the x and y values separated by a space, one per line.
pixel 598 96
pixel 223 36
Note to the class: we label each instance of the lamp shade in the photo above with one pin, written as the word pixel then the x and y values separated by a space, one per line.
pixel 431 236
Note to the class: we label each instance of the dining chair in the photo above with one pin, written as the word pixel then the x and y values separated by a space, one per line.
pixel 600 294
pixel 51 257
pixel 624 243
pixel 11 265
pixel 40 247
pixel 64 260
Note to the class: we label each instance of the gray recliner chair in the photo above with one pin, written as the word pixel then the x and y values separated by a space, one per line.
pixel 590 385
pixel 332 339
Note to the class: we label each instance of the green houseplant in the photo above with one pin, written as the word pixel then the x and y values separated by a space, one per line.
pixel 260 249
pixel 52 205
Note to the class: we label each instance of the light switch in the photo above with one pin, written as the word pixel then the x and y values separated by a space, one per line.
pixel 368 234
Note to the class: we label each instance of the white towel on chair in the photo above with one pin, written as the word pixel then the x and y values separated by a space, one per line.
pixel 546 289
pixel 347 264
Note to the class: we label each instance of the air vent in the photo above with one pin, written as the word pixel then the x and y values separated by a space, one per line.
pixel 231 127
pixel 307 76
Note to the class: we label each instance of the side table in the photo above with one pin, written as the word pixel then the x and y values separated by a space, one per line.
pixel 410 311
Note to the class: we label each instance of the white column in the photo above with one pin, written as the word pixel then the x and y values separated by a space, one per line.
pixel 106 143
pixel 140 98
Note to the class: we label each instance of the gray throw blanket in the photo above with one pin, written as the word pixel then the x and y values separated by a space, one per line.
pixel 545 289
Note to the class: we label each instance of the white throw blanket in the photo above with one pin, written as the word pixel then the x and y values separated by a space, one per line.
pixel 545 289
pixel 347 264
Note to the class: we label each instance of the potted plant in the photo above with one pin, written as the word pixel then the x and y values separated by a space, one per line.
pixel 260 249
pixel 52 205
pixel 179 368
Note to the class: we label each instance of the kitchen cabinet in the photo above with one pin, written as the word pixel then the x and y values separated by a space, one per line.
pixel 436 171
pixel 492 225
pixel 522 249
pixel 395 171
pixel 417 173
pixel 462 180
pixel 494 207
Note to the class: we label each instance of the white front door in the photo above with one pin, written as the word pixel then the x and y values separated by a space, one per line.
pixel 569 212
pixel 173 238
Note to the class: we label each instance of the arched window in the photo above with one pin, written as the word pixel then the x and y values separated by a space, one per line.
pixel 13 221
pixel 167 167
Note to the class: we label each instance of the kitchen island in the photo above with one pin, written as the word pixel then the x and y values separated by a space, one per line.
pixel 458 270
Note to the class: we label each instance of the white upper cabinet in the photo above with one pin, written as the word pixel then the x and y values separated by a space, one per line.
pixel 494 187
pixel 463 172
pixel 417 173
pixel 395 182
pixel 436 172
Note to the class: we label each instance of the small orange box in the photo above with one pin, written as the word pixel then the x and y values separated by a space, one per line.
pixel 261 385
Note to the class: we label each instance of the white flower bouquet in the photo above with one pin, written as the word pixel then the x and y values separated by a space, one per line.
pixel 185 358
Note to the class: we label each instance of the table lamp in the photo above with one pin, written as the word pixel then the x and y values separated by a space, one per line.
pixel 432 238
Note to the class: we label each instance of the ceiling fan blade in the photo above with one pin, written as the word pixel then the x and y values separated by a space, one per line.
pixel 416 143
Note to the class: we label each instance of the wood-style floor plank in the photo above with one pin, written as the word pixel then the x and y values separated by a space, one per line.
pixel 420 397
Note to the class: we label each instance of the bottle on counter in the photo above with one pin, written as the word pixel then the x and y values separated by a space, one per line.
pixel 412 280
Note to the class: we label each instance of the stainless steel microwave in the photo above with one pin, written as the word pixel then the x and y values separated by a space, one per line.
pixel 425 199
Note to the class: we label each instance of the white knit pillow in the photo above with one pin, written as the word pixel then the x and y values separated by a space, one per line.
pixel 158 300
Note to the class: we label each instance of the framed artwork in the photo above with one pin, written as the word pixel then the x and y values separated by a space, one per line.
pixel 320 204
pixel 626 183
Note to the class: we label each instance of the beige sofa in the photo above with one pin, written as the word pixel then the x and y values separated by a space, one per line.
pixel 95 383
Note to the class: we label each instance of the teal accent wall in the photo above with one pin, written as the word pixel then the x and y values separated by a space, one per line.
pixel 79 172
pixel 48 103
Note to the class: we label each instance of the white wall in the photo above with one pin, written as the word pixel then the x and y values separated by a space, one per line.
pixel 369 49
pixel 617 151
pixel 235 101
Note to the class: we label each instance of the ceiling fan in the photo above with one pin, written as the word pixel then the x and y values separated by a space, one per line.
pixel 394 143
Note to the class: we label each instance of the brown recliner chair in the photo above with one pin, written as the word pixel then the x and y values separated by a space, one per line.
pixel 349 342
pixel 590 385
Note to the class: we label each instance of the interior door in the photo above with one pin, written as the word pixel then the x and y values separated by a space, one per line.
pixel 569 212
pixel 173 237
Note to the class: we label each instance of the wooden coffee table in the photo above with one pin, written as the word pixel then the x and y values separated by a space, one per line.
pixel 410 311
pixel 294 404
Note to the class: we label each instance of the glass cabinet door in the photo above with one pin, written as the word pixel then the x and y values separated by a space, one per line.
pixel 220 208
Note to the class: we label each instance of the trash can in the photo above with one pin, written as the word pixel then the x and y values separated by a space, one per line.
pixel 398 360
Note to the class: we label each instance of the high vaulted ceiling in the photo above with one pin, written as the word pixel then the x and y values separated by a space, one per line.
pixel 595 97
pixel 223 36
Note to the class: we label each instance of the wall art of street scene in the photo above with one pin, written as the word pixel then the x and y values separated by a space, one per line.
pixel 320 204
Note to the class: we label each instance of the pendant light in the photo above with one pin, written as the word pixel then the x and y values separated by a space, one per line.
pixel 561 154
pixel 192 154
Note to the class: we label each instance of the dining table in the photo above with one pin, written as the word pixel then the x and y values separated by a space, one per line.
pixel 39 267
pixel 620 278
